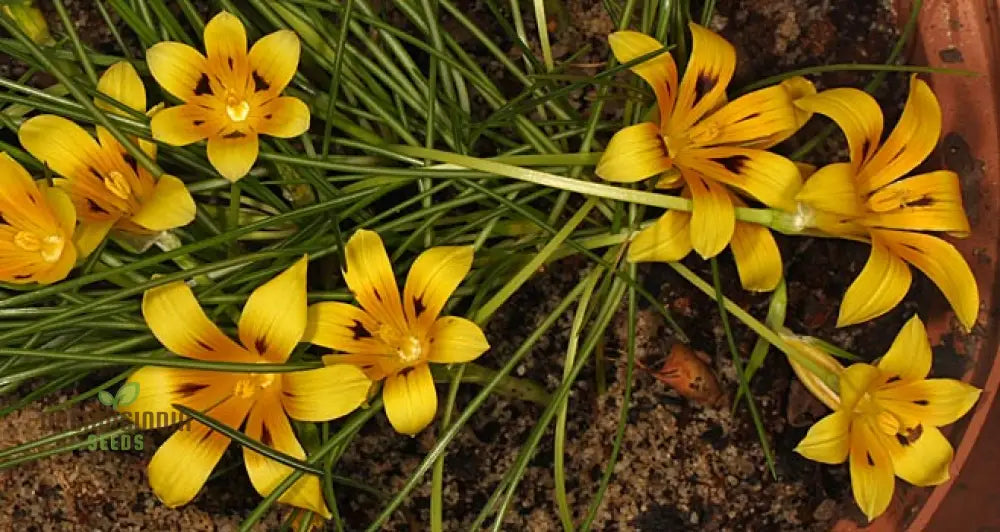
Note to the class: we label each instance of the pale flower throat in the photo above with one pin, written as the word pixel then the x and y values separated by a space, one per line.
pixel 409 349
pixel 237 109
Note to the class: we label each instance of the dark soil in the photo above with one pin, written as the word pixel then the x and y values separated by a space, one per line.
pixel 682 465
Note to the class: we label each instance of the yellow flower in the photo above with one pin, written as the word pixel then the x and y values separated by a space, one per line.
pixel 36 228
pixel 887 422
pixel 230 96
pixel 713 145
pixel 394 338
pixel 870 199
pixel 271 325
pixel 107 186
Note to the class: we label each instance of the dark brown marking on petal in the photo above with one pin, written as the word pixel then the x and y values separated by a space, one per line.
pixel 377 295
pixel 265 435
pixel 95 207
pixel 922 201
pixel 197 122
pixel 359 330
pixel 871 461
pixel 22 275
pixel 205 436
pixel 865 146
pixel 921 402
pixel 418 306
pixel 703 85
pixel 903 440
pixel 189 388
pixel 230 61
pixel 234 135
pixel 204 345
pixel 892 379
pixel 268 116
pixel 912 248
pixel 259 82
pixel 131 162
pixel 914 434
pixel 750 116
pixel 260 344
pixel 734 164
pixel 405 371
pixel 204 86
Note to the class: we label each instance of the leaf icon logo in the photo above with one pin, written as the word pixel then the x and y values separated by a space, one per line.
pixel 105 398
pixel 126 395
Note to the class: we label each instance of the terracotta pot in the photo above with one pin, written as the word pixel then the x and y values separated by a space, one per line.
pixel 961 34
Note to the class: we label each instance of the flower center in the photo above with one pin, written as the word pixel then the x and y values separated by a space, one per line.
pixel 252 383
pixel 409 349
pixel 116 183
pixel 237 109
pixel 674 144
pixel 50 247
pixel 706 132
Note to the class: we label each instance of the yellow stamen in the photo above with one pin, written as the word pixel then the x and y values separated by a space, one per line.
pixel 248 386
pixel 408 347
pixel 237 109
pixel 116 183
pixel 27 241
pixel 51 247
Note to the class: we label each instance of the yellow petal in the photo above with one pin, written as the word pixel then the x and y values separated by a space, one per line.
pixel 181 125
pixel 61 207
pixel 857 114
pixel 759 119
pixel 169 206
pixel 925 202
pixel 177 67
pixel 659 72
pixel 410 399
pixel 370 278
pixel 233 155
pixel 880 286
pixel 453 339
pixel 909 357
pixel 667 240
pixel 856 380
pixel 713 218
pixel 872 478
pixel 433 277
pixel 160 388
pixel 58 270
pixel 763 175
pixel 325 393
pixel 182 464
pixel 285 117
pixel 225 38
pixel 89 235
pixel 634 153
pixel 22 204
pixel 934 402
pixel 345 328
pixel 268 424
pixel 60 144
pixel 376 367
pixel 827 440
pixel 121 82
pixel 178 322
pixel 923 458
pixel 758 259
pixel 274 58
pixel 708 73
pixel 831 189
pixel 274 317
pixel 943 264
pixel 910 142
